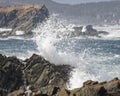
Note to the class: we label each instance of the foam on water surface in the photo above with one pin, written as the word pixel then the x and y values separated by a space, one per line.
pixel 90 60
pixel 93 58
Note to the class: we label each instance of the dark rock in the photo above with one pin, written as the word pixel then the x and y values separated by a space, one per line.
pixel 10 74
pixel 78 31
pixel 22 17
pixel 89 31
pixel 103 32
pixel 46 79
pixel 89 82
pixel 41 73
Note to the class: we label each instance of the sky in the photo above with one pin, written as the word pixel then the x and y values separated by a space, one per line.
pixel 78 1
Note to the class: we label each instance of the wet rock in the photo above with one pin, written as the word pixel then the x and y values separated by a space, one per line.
pixel 90 31
pixel 46 79
pixel 87 31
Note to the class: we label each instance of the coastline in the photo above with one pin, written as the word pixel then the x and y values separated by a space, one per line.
pixel 39 77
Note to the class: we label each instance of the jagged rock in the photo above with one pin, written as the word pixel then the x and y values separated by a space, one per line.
pixel 89 82
pixel 113 85
pixel 90 31
pixel 93 88
pixel 22 17
pixel 63 92
pixel 10 74
pixel 46 79
pixel 90 88
pixel 87 31
pixel 41 73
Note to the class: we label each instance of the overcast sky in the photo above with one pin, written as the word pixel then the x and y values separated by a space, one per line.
pixel 78 1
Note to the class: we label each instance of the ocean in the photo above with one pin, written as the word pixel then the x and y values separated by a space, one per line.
pixel 93 58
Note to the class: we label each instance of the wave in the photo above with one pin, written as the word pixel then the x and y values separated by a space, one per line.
pixel 54 43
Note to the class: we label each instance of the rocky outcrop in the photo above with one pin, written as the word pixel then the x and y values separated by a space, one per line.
pixel 87 31
pixel 22 17
pixel 90 88
pixel 41 73
pixel 36 73
pixel 10 74
pixel 93 88
pixel 38 77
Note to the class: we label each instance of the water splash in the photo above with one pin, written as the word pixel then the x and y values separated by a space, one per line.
pixel 53 42
pixel 50 33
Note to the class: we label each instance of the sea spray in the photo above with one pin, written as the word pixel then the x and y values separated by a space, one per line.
pixel 90 59
pixel 114 31
pixel 50 33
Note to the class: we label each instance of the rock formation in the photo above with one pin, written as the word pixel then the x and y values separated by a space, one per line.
pixel 22 17
pixel 38 77
pixel 87 31
pixel 35 72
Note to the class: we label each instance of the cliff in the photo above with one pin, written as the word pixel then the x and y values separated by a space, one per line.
pixel 106 12
pixel 37 77
pixel 22 17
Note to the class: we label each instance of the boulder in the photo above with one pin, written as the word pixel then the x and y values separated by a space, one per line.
pixel 87 31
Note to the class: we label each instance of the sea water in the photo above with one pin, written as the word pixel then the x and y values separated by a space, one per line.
pixel 93 58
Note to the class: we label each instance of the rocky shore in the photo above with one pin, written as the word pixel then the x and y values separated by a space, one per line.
pixel 21 19
pixel 38 77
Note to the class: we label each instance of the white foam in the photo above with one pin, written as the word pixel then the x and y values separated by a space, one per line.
pixel 5 29
pixel 113 30
pixel 87 65
pixel 20 32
